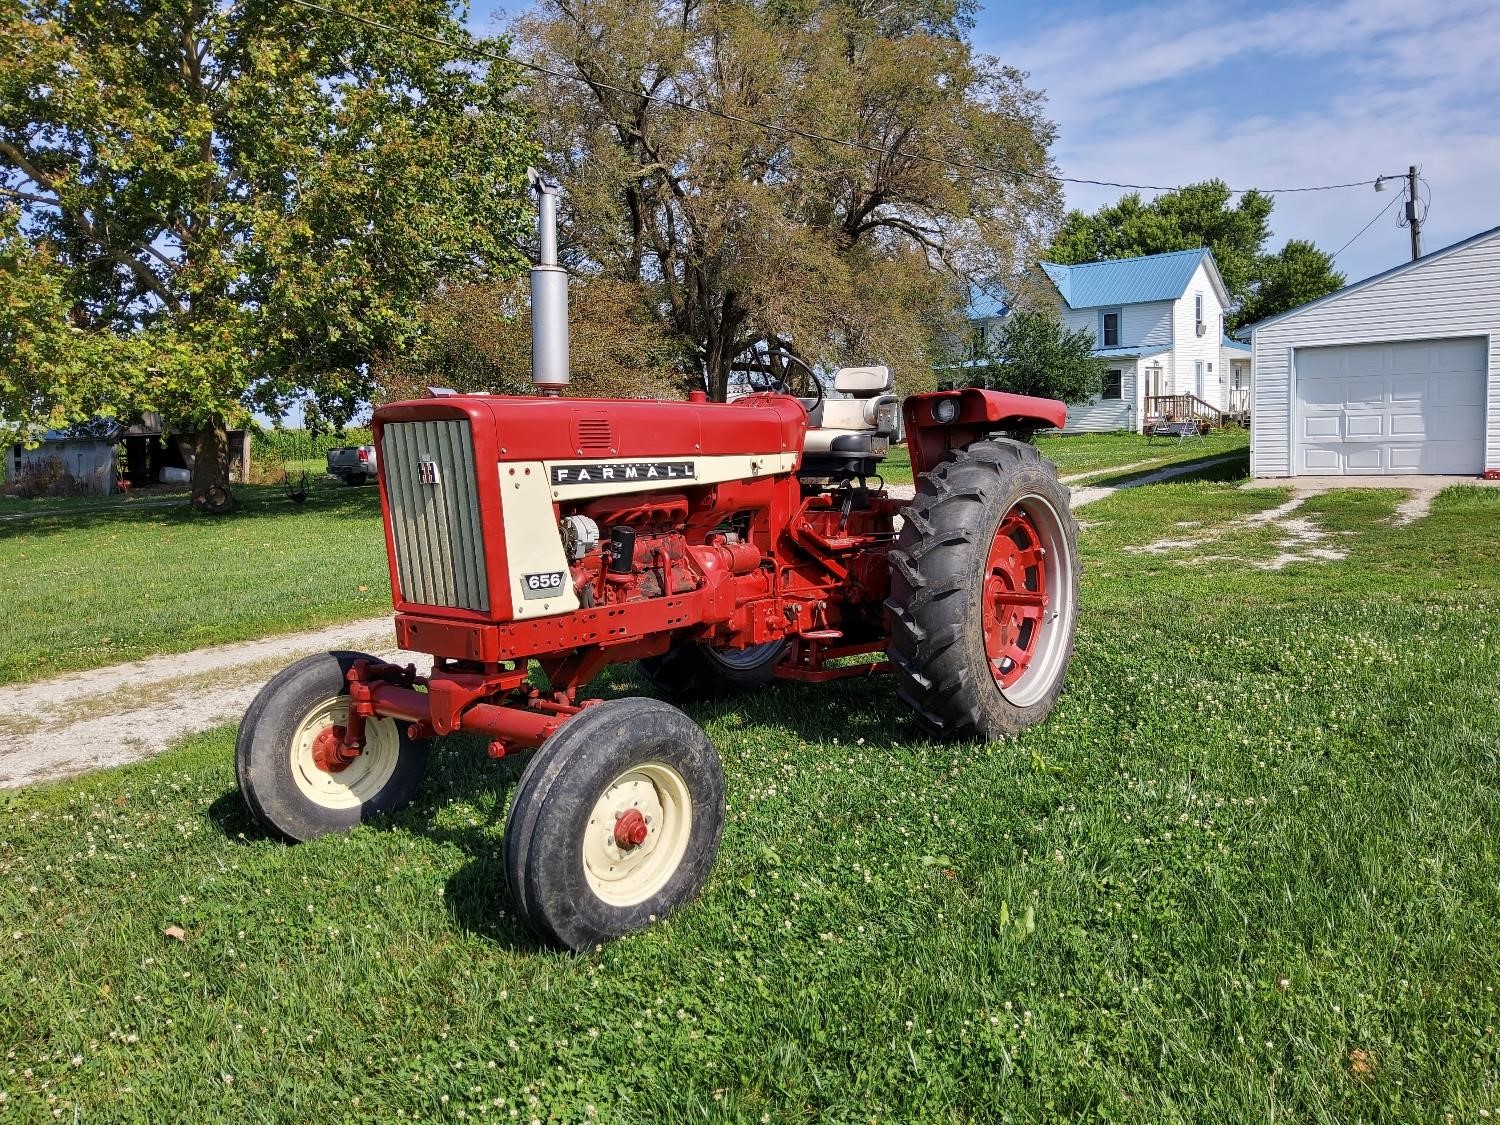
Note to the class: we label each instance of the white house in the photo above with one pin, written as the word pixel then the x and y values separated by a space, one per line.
pixel 986 314
pixel 1399 373
pixel 1159 321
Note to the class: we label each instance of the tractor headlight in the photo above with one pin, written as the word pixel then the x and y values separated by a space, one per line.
pixel 944 410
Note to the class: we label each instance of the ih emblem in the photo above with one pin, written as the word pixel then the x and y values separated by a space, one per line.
pixel 427 472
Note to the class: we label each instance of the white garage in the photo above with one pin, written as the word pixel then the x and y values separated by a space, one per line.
pixel 1397 374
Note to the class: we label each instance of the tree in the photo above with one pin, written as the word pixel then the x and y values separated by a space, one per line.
pixel 1036 354
pixel 478 337
pixel 47 360
pixel 245 201
pixel 740 240
pixel 1197 215
pixel 1296 274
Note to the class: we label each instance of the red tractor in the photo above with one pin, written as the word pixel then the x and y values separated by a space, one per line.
pixel 534 541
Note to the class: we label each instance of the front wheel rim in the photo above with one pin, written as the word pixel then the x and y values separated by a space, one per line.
pixel 363 778
pixel 1027 597
pixel 637 834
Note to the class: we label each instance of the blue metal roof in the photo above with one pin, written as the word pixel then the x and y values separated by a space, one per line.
pixel 985 306
pixel 1138 350
pixel 1237 345
pixel 1126 281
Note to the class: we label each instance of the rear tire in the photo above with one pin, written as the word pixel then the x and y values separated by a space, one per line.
pixel 690 670
pixel 286 789
pixel 624 766
pixel 984 592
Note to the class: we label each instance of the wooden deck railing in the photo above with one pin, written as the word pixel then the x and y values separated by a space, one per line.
pixel 1182 408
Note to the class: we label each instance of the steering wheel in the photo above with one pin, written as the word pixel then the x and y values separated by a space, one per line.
pixel 797 377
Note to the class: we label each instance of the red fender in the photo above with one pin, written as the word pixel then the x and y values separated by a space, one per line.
pixel 980 413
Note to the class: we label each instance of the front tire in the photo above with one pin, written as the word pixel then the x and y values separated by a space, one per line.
pixel 282 765
pixel 616 822
pixel 984 592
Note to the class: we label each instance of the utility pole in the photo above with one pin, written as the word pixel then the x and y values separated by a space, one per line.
pixel 1414 211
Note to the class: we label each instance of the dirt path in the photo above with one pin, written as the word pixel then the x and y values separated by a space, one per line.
pixel 1086 494
pixel 111 716
pixel 176 501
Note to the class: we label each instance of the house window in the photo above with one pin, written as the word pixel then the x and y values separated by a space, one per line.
pixel 1112 381
pixel 1198 307
pixel 1109 328
pixel 976 342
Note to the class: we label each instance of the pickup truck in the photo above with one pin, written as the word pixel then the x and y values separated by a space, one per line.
pixel 353 464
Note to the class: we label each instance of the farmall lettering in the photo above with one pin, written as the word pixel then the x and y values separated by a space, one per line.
pixel 720 548
pixel 606 472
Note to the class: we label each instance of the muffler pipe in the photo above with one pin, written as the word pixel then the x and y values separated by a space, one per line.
pixel 549 295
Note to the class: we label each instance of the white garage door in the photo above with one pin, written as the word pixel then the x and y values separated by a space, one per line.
pixel 1411 407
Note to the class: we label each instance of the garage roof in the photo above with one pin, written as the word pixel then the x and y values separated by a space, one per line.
pixel 1392 272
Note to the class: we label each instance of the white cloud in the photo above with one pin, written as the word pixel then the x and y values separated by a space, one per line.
pixel 1144 96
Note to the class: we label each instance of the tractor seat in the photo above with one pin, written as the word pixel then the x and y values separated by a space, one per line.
pixel 850 435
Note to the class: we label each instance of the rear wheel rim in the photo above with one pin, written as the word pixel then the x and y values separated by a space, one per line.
pixel 362 779
pixel 1027 596
pixel 626 873
pixel 750 657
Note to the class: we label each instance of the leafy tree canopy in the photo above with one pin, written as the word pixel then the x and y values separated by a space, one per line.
pixel 1034 353
pixel 237 205
pixel 1205 214
pixel 1299 272
pixel 739 240
pixel 477 336
pixel 1197 215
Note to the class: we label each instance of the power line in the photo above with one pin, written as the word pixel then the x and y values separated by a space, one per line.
pixel 1395 199
pixel 771 127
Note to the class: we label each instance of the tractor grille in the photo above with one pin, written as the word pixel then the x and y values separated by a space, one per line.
pixel 430 483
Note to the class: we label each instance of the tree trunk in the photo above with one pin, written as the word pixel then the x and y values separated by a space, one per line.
pixel 210 486
pixel 716 369
pixel 719 348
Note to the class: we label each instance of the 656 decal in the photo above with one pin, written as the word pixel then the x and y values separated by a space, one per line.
pixel 543 584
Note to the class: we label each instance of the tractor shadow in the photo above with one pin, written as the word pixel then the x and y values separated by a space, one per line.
pixel 464 800
pixel 460 806
pixel 464 804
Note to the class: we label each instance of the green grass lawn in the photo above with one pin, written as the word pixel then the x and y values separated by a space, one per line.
pixel 1246 871
pixel 1098 453
pixel 85 589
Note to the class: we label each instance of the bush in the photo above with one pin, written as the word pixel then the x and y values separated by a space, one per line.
pixel 47 478
pixel 303 445
pixel 1036 354
pixel 266 466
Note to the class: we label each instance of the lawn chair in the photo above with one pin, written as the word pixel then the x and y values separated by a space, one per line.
pixel 1180 430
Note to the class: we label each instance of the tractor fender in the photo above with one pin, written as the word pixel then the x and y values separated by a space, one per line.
pixel 980 413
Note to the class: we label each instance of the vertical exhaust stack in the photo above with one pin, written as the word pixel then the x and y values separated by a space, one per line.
pixel 549 296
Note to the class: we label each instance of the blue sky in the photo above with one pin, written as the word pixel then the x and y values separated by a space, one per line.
pixel 1275 96
pixel 1309 92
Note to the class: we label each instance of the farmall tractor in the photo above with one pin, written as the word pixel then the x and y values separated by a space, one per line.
pixel 535 540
